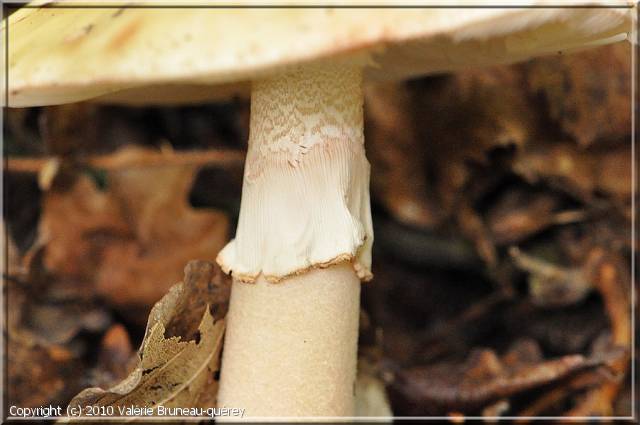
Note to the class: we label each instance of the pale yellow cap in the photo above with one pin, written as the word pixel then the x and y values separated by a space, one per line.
pixel 155 55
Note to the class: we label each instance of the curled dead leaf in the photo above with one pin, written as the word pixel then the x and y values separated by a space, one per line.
pixel 483 379
pixel 180 370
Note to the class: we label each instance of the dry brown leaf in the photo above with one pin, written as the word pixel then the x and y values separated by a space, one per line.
pixel 71 219
pixel 588 93
pixel 40 373
pixel 132 240
pixel 173 371
pixel 577 172
pixel 44 365
pixel 40 369
pixel 441 125
pixel 53 311
pixel 168 233
pixel 453 125
pixel 483 378
pixel 464 118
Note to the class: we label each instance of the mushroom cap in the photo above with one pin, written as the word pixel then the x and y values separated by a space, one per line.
pixel 73 53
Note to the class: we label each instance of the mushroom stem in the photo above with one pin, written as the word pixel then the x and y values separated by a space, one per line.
pixel 291 348
pixel 303 239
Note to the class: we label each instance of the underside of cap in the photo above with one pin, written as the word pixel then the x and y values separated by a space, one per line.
pixel 72 53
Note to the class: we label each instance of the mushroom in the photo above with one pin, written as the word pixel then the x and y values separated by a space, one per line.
pixel 304 235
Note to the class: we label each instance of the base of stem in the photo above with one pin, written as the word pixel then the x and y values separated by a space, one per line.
pixel 291 348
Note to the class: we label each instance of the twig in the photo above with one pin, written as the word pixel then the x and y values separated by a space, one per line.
pixel 123 159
